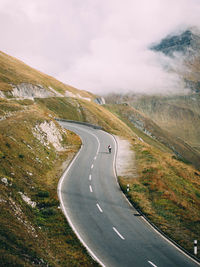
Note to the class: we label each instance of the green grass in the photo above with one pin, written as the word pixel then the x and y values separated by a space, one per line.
pixel 6 107
pixel 31 236
pixel 81 110
pixel 97 114
pixel 165 189
pixel 167 192
pixel 179 115
pixel 160 137
pixel 65 108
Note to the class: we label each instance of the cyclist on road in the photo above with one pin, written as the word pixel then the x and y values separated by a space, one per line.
pixel 109 149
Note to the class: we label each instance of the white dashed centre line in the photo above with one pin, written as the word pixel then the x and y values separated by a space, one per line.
pixel 90 177
pixel 95 157
pixel 99 207
pixel 152 264
pixel 90 188
pixel 118 233
pixel 92 166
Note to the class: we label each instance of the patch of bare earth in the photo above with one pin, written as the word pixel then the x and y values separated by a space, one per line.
pixel 125 160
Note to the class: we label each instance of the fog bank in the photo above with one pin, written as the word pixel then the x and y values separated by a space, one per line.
pixel 99 46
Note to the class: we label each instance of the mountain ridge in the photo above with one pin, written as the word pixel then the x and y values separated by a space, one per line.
pixel 187 41
pixel 184 50
pixel 34 149
pixel 13 80
pixel 178 114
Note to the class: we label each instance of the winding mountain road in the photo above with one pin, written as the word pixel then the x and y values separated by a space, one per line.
pixel 100 215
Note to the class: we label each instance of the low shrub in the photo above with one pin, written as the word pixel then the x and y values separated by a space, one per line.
pixel 43 194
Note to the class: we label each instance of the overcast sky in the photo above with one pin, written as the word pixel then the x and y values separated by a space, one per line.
pixel 96 45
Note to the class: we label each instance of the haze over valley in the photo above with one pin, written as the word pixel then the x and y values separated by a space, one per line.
pixel 98 46
pixel 128 70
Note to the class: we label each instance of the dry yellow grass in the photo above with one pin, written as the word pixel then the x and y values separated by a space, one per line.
pixel 167 191
pixel 14 71
pixel 99 115
pixel 41 235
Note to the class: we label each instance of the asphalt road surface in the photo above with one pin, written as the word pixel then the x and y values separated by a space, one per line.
pixel 100 215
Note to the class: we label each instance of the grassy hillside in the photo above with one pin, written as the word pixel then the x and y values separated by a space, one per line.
pixel 192 72
pixel 166 190
pixel 136 119
pixel 179 115
pixel 80 110
pixel 33 235
pixel 15 72
pixel 30 168
pixel 176 116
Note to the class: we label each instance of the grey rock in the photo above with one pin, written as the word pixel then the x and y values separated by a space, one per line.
pixel 100 100
pixel 27 90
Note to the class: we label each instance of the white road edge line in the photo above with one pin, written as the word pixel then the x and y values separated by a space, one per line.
pixel 72 226
pixel 152 264
pixel 90 177
pixel 90 188
pixel 118 233
pixel 99 207
pixel 115 172
pixel 67 216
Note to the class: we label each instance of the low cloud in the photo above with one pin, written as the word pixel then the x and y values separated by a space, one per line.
pixel 123 68
pixel 99 46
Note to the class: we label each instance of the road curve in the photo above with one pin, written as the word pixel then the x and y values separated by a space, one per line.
pixel 101 216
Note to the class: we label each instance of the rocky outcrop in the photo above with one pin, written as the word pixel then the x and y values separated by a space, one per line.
pixel 27 90
pixel 55 92
pixel 2 94
pixel 185 42
pixel 100 101
pixel 70 94
pixel 184 51
pixel 48 133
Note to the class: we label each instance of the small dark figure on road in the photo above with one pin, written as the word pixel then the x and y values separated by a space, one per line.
pixel 109 149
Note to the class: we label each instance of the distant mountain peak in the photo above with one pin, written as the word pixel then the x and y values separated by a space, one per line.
pixel 187 41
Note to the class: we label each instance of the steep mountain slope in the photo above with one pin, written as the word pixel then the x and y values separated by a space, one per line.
pixel 174 121
pixel 184 48
pixel 33 229
pixel 179 115
pixel 180 149
pixel 34 149
pixel 185 42
pixel 19 80
pixel 163 188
